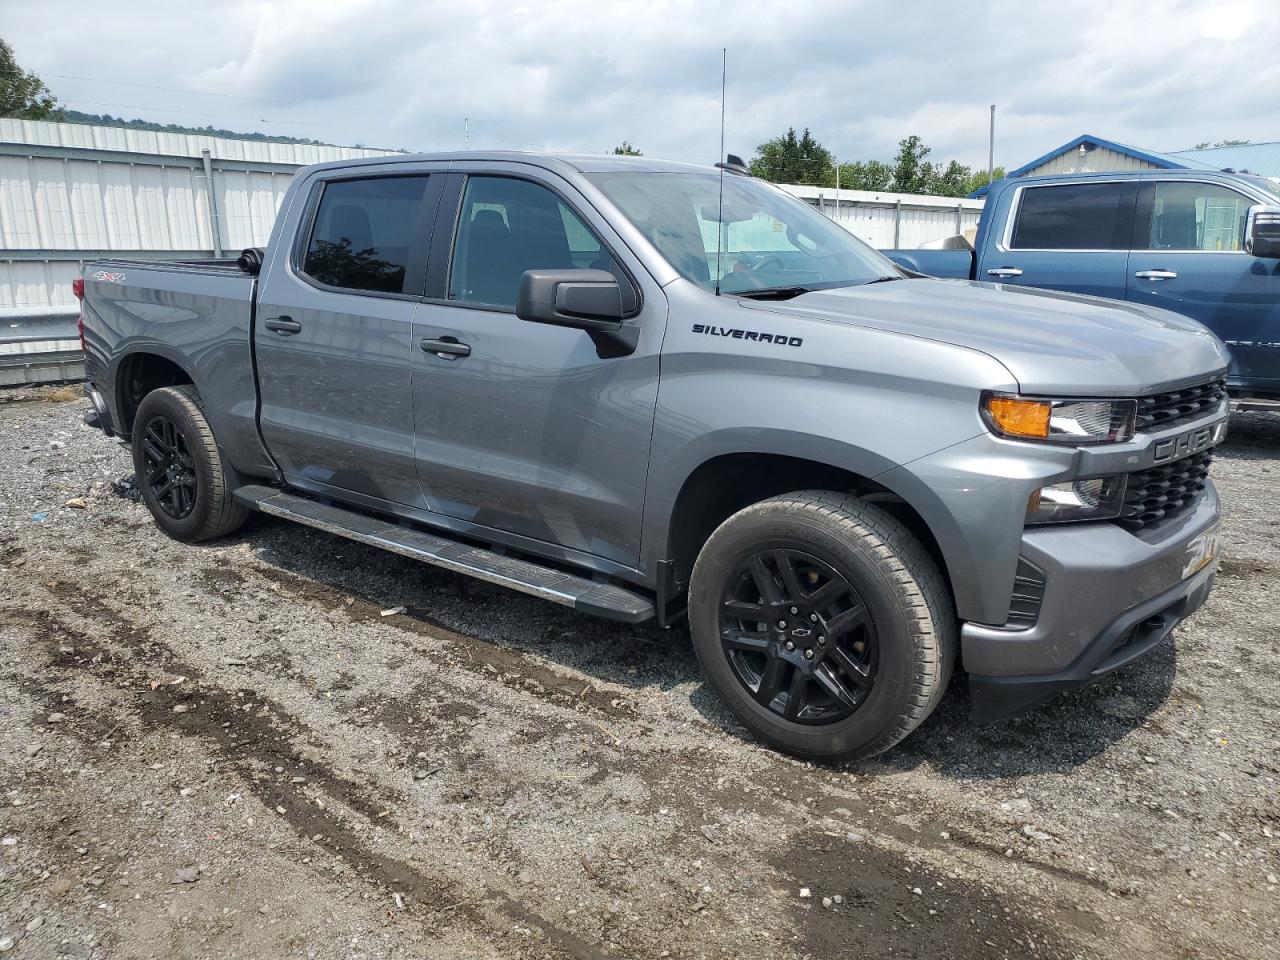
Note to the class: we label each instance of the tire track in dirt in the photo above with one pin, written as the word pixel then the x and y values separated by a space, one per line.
pixel 263 736
pixel 244 738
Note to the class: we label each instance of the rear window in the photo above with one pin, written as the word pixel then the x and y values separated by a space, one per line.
pixel 364 232
pixel 1082 216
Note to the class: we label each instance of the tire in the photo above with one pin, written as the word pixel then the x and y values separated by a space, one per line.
pixel 867 686
pixel 170 428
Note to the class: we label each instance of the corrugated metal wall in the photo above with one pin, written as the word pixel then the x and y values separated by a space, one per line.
pixel 893 220
pixel 125 140
pixel 71 191
pixel 1098 160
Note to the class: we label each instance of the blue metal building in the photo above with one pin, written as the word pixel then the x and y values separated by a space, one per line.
pixel 1090 154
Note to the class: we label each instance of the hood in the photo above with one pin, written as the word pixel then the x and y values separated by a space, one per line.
pixel 1052 343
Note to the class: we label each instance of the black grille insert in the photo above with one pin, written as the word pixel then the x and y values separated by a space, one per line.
pixel 1180 406
pixel 1028 595
pixel 1164 491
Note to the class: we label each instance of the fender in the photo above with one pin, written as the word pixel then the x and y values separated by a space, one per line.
pixel 230 410
pixel 666 484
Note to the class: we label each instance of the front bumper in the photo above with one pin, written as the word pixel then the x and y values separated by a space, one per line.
pixel 1110 597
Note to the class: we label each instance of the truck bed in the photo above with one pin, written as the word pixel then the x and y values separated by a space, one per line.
pixel 198 314
pixel 947 264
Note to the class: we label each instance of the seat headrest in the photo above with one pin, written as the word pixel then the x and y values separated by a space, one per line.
pixel 351 222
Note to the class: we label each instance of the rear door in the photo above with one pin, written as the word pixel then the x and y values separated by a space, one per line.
pixel 1067 236
pixel 1189 257
pixel 522 427
pixel 334 337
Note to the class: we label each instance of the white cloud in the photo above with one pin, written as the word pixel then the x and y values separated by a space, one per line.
pixel 577 75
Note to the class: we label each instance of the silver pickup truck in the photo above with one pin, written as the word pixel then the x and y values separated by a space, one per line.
pixel 657 390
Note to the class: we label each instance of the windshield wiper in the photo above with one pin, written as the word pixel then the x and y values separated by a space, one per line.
pixel 772 293
pixel 883 280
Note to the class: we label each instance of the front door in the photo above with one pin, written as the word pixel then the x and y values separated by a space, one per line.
pixel 1072 237
pixel 1189 257
pixel 334 339
pixel 522 427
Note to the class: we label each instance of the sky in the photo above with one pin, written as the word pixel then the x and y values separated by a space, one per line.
pixel 584 76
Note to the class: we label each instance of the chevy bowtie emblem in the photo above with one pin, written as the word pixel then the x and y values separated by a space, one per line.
pixel 801 632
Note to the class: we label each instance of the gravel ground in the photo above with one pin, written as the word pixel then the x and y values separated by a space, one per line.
pixel 235 750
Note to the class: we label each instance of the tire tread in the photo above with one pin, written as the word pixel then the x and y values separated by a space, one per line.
pixel 924 595
pixel 225 514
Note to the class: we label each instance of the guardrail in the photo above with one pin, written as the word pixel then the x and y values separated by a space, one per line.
pixel 36 350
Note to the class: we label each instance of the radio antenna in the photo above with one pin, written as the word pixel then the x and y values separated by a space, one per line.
pixel 724 69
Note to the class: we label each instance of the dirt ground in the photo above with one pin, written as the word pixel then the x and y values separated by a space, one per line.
pixel 229 750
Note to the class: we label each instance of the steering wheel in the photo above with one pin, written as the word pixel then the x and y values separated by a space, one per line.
pixel 769 260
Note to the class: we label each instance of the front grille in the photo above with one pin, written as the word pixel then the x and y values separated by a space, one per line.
pixel 1164 491
pixel 1180 406
pixel 1028 596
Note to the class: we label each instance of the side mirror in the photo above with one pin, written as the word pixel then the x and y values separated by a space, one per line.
pixel 1262 231
pixel 590 300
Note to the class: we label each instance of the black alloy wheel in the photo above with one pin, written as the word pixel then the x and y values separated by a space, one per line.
pixel 170 469
pixel 798 636
pixel 185 483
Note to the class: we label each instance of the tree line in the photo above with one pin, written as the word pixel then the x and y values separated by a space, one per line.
pixel 801 158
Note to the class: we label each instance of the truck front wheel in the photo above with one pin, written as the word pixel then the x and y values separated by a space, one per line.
pixel 823 624
pixel 180 470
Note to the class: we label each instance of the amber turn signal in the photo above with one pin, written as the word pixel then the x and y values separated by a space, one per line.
pixel 1019 417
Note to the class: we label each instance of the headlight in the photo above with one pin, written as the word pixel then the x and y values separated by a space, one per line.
pixel 1071 422
pixel 1095 498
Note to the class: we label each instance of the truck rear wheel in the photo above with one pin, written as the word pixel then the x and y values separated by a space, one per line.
pixel 823 624
pixel 180 470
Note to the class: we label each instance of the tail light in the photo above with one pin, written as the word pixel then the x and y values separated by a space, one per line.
pixel 77 287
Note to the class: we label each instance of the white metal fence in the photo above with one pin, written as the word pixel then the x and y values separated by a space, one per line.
pixel 70 192
pixel 893 220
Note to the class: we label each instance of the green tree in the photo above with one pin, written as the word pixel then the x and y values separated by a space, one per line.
pixel 951 180
pixel 911 172
pixel 979 179
pixel 22 93
pixel 626 150
pixel 874 175
pixel 794 159
pixel 1221 143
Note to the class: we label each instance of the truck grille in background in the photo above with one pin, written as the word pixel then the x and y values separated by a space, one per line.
pixel 1180 406
pixel 1165 491
pixel 1028 595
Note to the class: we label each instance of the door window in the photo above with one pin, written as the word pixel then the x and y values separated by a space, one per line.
pixel 508 226
pixel 1195 216
pixel 365 232
pixel 1078 216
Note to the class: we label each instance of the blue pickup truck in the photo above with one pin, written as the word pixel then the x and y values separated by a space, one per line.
pixel 1203 244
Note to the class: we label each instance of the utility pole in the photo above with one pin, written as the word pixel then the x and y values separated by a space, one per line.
pixel 466 132
pixel 837 216
pixel 991 149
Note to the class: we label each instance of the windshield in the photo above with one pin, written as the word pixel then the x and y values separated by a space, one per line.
pixel 1270 185
pixel 768 240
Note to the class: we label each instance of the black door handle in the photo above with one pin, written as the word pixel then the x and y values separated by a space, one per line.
pixel 446 348
pixel 283 325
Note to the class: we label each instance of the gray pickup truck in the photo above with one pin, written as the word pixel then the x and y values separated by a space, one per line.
pixel 655 390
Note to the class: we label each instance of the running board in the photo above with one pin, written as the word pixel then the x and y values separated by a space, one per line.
pixel 588 596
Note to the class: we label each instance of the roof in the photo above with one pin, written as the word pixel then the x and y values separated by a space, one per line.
pixel 1174 173
pixel 581 163
pixel 45 135
pixel 1260 158
pixel 1166 161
